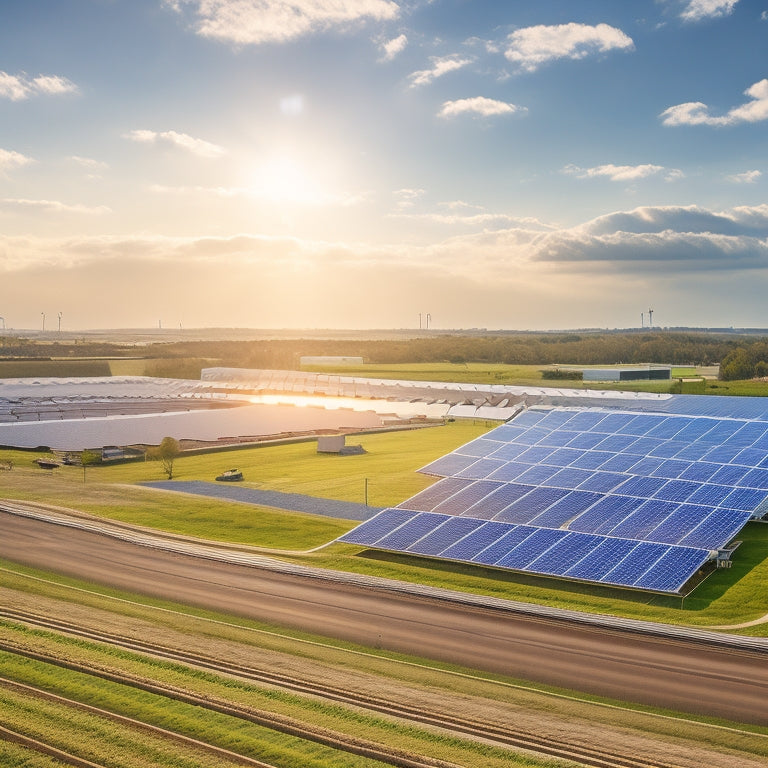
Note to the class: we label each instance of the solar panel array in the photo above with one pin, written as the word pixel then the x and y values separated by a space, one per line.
pixel 626 498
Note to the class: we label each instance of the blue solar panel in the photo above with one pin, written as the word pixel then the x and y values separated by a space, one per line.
pixel 751 457
pixel 613 423
pixel 411 531
pixel 600 560
pixel 562 457
pixel 637 485
pixel 483 535
pixel 568 478
pixel 530 505
pixel 554 419
pixel 669 427
pixel 672 468
pixel 644 446
pixel 444 536
pixel 537 474
pixel 460 501
pixel 679 524
pixel 603 481
pixel 480 469
pixel 615 443
pixel 430 497
pixel 509 451
pixel 506 433
pixel 723 454
pixel 566 553
pixel 693 452
pixel 673 569
pixel 635 564
pixel 716 530
pixel 668 449
pixel 621 462
pixel 756 478
pixel 499 499
pixel 591 459
pixel 532 436
pixel 557 438
pixel 529 418
pixel 647 466
pixel 493 553
pixel 585 420
pixel 747 499
pixel 535 455
pixel 641 425
pixel 602 516
pixel 729 474
pixel 710 495
pixel 369 532
pixel 585 440
pixel 676 490
pixel 448 465
pixel 639 524
pixel 700 471
pixel 566 509
pixel 509 471
pixel 529 550
pixel 479 448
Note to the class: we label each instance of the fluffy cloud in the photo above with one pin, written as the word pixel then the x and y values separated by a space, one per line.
pixel 748 177
pixel 180 140
pixel 10 159
pixel 441 65
pixel 252 22
pixel 531 47
pixel 697 113
pixel 20 87
pixel 479 105
pixel 696 10
pixel 391 48
pixel 623 172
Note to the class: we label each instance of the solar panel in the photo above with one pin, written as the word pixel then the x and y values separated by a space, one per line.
pixel 631 498
pixel 449 533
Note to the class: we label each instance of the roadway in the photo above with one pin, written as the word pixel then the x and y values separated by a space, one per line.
pixel 688 676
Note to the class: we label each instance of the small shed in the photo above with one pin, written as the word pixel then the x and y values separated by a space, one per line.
pixel 337 444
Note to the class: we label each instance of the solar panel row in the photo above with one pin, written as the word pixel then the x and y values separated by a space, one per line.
pixel 607 560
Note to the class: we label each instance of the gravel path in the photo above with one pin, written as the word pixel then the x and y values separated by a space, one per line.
pixel 294 502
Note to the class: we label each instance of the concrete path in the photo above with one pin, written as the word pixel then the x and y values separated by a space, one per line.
pixel 294 502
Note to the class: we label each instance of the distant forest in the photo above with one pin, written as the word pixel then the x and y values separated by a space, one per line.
pixel 741 357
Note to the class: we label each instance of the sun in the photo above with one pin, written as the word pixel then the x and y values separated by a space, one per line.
pixel 285 178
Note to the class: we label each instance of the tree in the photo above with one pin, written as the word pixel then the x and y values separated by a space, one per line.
pixel 167 451
pixel 88 459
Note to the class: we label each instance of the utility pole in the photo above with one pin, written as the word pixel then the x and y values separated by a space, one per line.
pixel 59 322
pixel 429 317
pixel 43 316
pixel 650 318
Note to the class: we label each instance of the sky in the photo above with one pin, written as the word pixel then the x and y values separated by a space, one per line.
pixel 383 164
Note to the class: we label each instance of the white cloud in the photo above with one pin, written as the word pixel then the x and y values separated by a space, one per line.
pixel 252 22
pixel 94 166
pixel 20 87
pixel 10 159
pixel 50 206
pixel 406 198
pixel 747 177
pixel 175 139
pixel 392 47
pixel 697 10
pixel 441 65
pixel 623 172
pixel 697 113
pixel 531 47
pixel 479 105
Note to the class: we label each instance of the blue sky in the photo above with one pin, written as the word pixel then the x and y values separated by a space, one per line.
pixel 356 163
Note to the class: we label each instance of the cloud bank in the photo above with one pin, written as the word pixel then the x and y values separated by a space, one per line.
pixel 479 105
pixel 698 10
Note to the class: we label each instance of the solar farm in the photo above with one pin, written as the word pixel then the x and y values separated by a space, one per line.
pixel 641 496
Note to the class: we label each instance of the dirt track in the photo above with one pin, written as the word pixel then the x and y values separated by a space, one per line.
pixel 689 677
